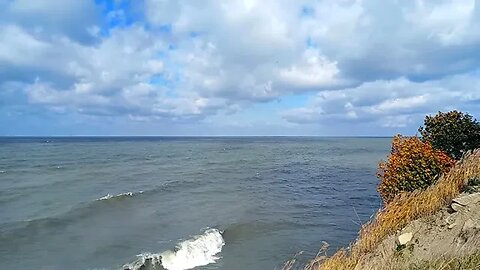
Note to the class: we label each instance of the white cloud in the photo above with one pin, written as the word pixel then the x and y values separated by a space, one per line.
pixel 390 103
pixel 383 61
pixel 71 18
pixel 17 47
pixel 112 77
pixel 313 72
pixel 448 21
pixel 402 103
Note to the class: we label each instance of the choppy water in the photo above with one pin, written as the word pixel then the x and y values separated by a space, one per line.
pixel 224 203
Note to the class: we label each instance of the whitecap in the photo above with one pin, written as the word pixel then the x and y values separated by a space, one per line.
pixel 106 197
pixel 126 194
pixel 199 250
pixel 144 260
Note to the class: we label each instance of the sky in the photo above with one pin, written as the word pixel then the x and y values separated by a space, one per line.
pixel 235 67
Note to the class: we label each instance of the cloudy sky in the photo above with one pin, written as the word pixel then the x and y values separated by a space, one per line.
pixel 235 67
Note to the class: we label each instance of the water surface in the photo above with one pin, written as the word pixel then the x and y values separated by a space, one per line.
pixel 96 203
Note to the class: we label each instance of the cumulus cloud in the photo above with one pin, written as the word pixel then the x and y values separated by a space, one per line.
pixel 391 103
pixel 52 17
pixel 389 39
pixel 115 76
pixel 289 46
pixel 367 61
pixel 248 50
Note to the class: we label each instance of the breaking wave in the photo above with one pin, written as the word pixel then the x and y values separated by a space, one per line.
pixel 121 195
pixel 79 212
pixel 198 251
pixel 145 261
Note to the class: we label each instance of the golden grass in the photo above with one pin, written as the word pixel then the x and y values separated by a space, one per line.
pixel 470 262
pixel 402 210
pixel 465 262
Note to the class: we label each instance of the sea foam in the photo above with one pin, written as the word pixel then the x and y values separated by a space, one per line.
pixel 198 251
pixel 126 194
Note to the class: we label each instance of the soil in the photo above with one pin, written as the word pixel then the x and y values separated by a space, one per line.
pixel 452 232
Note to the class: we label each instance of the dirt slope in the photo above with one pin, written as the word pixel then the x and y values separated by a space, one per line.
pixel 450 233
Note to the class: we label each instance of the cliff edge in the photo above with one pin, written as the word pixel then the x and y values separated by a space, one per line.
pixel 436 228
pixel 444 239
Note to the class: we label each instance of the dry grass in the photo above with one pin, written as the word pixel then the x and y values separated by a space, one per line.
pixel 467 262
pixel 471 262
pixel 321 255
pixel 402 210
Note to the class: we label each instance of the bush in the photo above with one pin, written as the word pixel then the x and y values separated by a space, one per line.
pixel 412 164
pixel 452 132
pixel 401 211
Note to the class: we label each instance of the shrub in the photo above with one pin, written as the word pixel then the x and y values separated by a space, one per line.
pixel 412 165
pixel 452 132
pixel 401 211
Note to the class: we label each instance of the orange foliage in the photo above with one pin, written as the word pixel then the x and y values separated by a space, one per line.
pixel 402 210
pixel 412 165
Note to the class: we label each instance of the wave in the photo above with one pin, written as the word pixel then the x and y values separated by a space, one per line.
pixel 200 250
pixel 78 212
pixel 244 231
pixel 82 210
pixel 121 195
pixel 85 209
pixel 145 261
pixel 2 171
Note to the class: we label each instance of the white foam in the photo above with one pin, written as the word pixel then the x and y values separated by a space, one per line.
pixel 106 197
pixel 144 260
pixel 198 251
pixel 3 171
pixel 126 194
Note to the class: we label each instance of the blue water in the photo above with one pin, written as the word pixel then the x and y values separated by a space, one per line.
pixel 270 197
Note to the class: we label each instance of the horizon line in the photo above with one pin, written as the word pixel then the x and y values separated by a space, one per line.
pixel 189 136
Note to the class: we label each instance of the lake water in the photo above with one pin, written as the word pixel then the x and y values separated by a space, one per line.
pixel 208 203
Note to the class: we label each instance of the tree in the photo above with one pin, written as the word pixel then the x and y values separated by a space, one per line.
pixel 452 132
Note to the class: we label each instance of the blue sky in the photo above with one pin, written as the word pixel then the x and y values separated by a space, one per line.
pixel 239 67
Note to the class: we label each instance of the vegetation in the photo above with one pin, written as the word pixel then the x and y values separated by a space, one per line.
pixel 419 177
pixel 452 132
pixel 473 186
pixel 404 209
pixel 471 262
pixel 412 165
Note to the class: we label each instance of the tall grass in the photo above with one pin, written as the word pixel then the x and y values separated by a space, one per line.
pixel 469 262
pixel 402 210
